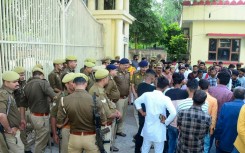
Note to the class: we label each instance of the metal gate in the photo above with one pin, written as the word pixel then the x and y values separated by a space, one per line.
pixel 39 31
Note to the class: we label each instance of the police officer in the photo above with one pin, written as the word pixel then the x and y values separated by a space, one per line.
pixel 138 78
pixel 111 88
pixel 65 132
pixel 92 60
pixel 159 69
pixel 109 107
pixel 88 71
pixel 54 76
pixel 123 83
pixel 19 95
pixel 113 94
pixel 71 62
pixel 9 114
pixel 106 61
pixel 78 107
pixel 37 92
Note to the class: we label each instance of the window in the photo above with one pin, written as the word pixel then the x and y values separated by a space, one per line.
pixel 224 49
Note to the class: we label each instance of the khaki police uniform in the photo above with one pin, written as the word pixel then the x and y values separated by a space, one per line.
pixel 78 107
pixel 67 69
pixel 65 131
pixel 37 92
pixel 113 94
pixel 54 77
pixel 137 78
pixel 123 83
pixel 14 118
pixel 91 77
pixel 19 96
pixel 55 81
pixel 109 108
pixel 112 91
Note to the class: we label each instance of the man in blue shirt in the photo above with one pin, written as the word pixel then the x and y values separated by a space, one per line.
pixel 226 127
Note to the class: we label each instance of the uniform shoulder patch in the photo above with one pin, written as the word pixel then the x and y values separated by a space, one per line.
pixel 3 91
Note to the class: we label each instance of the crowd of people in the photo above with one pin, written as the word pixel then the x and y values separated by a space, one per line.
pixel 177 107
pixel 206 100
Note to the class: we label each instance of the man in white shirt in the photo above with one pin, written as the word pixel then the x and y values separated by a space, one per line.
pixel 187 71
pixel 154 130
pixel 241 77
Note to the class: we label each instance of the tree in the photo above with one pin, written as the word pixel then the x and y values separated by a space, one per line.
pixel 147 27
pixel 173 40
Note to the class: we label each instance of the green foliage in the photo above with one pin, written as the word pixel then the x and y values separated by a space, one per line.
pixel 173 40
pixel 172 10
pixel 147 27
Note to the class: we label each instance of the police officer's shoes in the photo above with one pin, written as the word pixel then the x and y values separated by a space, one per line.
pixel 28 152
pixel 121 134
pixel 114 149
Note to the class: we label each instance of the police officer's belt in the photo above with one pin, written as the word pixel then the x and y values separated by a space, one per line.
pixel 40 114
pixel 83 133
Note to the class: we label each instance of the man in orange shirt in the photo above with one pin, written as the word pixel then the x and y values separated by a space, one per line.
pixel 212 111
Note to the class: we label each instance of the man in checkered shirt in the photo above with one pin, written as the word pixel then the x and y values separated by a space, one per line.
pixel 193 124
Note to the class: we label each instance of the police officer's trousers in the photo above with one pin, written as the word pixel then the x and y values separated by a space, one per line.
pixel 122 106
pixel 65 132
pixel 14 142
pixel 41 127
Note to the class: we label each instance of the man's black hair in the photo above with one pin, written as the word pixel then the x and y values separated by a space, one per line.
pixel 143 58
pixel 195 66
pixel 167 67
pixel 201 63
pixel 239 93
pixel 79 80
pixel 235 72
pixel 224 77
pixel 162 82
pixel 150 71
pixel 199 97
pixel 135 56
pixel 204 84
pixel 192 84
pixel 231 66
pixel 177 78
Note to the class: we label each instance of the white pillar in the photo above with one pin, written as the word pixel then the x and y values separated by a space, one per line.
pixel 91 5
pixel 126 5
pixel 126 29
pixel 119 48
pixel 101 4
pixel 119 4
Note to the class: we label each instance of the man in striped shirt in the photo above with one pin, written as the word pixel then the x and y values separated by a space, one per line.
pixel 192 86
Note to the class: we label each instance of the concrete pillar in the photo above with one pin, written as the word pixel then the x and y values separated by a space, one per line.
pixel 91 5
pixel 119 4
pixel 126 5
pixel 126 29
pixel 119 49
pixel 101 4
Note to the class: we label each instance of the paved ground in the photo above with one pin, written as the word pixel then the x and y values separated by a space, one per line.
pixel 124 144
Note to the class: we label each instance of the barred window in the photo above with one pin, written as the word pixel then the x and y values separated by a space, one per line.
pixel 224 49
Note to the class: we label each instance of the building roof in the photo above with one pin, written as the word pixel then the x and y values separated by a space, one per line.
pixel 213 2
